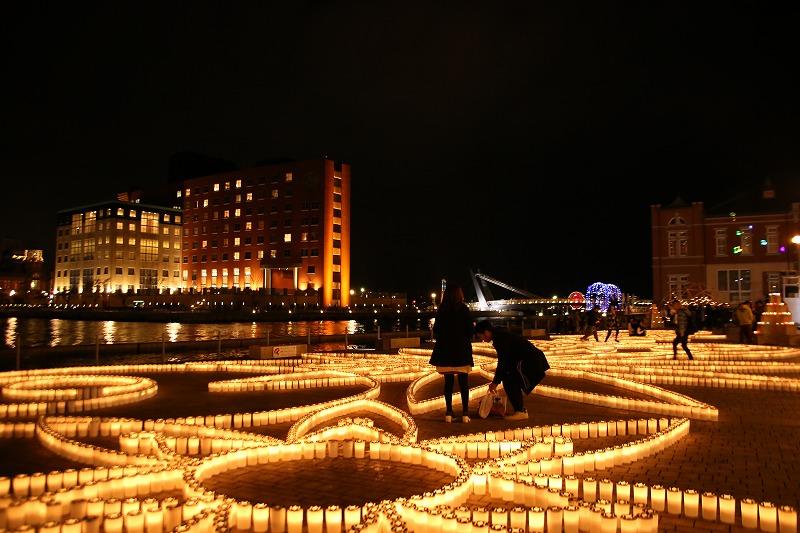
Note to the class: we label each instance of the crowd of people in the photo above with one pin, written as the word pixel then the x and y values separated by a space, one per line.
pixel 521 366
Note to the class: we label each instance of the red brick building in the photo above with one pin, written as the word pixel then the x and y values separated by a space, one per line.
pixel 735 251
pixel 282 228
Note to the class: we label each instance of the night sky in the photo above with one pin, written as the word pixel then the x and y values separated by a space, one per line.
pixel 521 139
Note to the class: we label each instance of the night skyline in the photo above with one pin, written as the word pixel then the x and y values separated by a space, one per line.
pixel 477 139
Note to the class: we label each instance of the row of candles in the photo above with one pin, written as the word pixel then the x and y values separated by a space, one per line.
pixel 300 380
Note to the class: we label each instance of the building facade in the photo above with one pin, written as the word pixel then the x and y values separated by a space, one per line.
pixel 281 228
pixel 118 246
pixel 736 253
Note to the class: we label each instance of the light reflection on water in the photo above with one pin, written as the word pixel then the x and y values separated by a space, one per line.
pixel 58 332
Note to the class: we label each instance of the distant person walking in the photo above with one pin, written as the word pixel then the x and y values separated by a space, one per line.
pixel 591 325
pixel 745 319
pixel 452 353
pixel 520 365
pixel 612 322
pixel 681 318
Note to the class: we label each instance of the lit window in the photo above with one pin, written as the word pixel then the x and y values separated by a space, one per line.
pixel 165 244
pixel 177 219
pixel 237 213
pixel 288 177
pixel 120 212
pixel 131 227
pixel 227 185
pixel 273 254
pixel 176 245
pixel 166 218
pixel 178 194
pixel 205 202
pixel 238 198
pixel 132 213
pixel 188 192
pixel 274 193
pixel 248 226
pixel 236 241
pixel 304 236
pixel 216 187
pixel 238 184
pixel 132 241
pixel 205 244
pixel 235 256
pixel 120 225
pixel 249 197
pixel 260 254
pixel 287 237
pixel 226 214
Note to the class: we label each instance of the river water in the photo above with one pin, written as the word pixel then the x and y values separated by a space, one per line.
pixel 58 332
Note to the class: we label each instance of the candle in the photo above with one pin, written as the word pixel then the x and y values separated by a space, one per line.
pixel 333 519
pixel 314 517
pixel 536 517
pixel 709 503
pixel 260 517
pixel 277 518
pixel 294 519
pixel 691 502
pixel 727 509
pixel 657 498
pixel 749 513
pixel 767 517
pixel 787 518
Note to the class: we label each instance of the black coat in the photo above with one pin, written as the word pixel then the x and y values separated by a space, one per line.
pixel 453 333
pixel 515 354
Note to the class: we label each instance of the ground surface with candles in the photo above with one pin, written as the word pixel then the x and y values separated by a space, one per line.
pixel 620 437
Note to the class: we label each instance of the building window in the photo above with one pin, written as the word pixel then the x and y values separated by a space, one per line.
pixel 274 193
pixel 149 222
pixel 678 283
pixel 238 184
pixel 772 239
pixel 235 256
pixel 735 284
pixel 118 271
pixel 721 241
pixel 237 213
pixel 678 242
pixel 236 241
pixel 273 254
pixel 314 252
pixel 216 187
pixel 249 197
pixel 311 269
pixel 745 246
pixel 287 237
pixel 773 282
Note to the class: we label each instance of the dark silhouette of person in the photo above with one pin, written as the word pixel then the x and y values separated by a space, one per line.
pixel 452 353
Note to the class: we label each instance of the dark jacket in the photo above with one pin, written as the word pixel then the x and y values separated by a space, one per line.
pixel 517 354
pixel 453 333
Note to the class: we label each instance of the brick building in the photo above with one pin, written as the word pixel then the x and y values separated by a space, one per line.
pixel 120 245
pixel 732 252
pixel 282 228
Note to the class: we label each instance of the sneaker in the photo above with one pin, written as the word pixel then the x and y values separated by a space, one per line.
pixel 448 418
pixel 518 415
pixel 465 419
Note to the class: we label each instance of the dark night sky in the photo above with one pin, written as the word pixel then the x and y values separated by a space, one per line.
pixel 521 139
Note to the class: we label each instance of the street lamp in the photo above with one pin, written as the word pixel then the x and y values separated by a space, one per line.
pixel 796 242
pixel 433 299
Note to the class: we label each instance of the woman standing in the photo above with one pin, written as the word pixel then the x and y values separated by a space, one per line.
pixel 612 322
pixel 452 353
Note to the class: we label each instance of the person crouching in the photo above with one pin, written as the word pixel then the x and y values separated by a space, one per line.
pixel 520 365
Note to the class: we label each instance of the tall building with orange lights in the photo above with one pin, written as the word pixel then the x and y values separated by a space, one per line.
pixel 281 228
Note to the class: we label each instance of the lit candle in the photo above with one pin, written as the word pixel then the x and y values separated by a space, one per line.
pixel 709 504
pixel 314 517
pixel 294 519
pixel 749 513
pixel 333 519
pixel 727 509
pixel 767 517
pixel 787 518
pixel 691 502
pixel 658 498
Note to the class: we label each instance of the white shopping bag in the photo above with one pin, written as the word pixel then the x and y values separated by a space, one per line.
pixel 492 403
